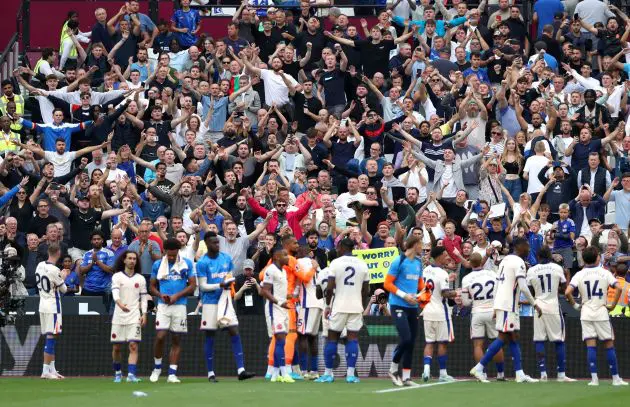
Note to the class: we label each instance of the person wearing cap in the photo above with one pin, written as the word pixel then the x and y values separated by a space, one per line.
pixel 378 305
pixel 247 299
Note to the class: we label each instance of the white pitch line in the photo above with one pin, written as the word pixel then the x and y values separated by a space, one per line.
pixel 419 386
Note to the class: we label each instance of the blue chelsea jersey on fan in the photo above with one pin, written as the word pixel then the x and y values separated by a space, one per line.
pixel 175 281
pixel 186 19
pixel 214 270
pixel 407 275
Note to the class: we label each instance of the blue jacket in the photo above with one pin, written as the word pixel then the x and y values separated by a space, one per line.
pixel 596 209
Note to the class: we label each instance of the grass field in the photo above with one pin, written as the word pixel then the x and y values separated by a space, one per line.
pixel 29 392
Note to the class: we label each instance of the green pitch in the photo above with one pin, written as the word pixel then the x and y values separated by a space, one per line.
pixel 229 392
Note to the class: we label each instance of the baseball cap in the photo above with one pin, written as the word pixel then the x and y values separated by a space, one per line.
pixel 248 264
pixel 337 28
pixel 594 220
pixel 82 197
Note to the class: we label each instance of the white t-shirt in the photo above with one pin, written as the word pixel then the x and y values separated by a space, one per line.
pixel 350 273
pixel 508 292
pixel 275 89
pixel 477 137
pixel 342 201
pixel 61 162
pixel 437 308
pixel 533 165
pixel 545 279
pixel 593 283
pixel 308 290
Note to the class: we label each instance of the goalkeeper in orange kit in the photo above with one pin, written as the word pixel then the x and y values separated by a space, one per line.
pixel 290 244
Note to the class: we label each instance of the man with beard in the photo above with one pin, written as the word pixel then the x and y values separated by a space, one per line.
pixel 181 199
pixel 562 186
pixel 363 101
pixel 276 90
pixel 374 51
pixel 242 216
pixel 234 245
pixel 609 41
pixel 307 106
pixel 315 252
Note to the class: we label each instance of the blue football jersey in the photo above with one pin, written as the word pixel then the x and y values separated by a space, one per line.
pixel 175 281
pixel 214 270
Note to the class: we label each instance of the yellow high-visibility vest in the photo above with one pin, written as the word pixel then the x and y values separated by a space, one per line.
pixel 64 35
pixel 17 99
pixel 622 306
pixel 5 142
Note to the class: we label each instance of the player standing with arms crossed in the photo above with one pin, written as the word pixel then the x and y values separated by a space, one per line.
pixel 129 291
pixel 592 282
pixel 214 272
pixel 172 281
pixel 438 326
pixel 349 279
pixel 274 289
pixel 510 283
pixel 50 282
pixel 547 278
pixel 478 289
pixel 404 281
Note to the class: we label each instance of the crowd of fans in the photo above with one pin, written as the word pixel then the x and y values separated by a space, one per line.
pixel 441 120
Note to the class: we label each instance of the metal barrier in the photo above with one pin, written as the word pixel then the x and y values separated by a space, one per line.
pixel 9 60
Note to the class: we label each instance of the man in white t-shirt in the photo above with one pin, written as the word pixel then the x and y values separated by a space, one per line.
pixel 353 195
pixel 533 165
pixel 276 82
pixel 61 159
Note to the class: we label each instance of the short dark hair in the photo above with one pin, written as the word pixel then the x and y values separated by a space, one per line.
pixel 209 235
pixel 311 233
pixel 589 254
pixel 437 251
pixel 97 233
pixel 544 254
pixel 172 244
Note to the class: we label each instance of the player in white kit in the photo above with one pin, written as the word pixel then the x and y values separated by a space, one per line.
pixel 547 278
pixel 510 283
pixel 50 283
pixel 349 279
pixel 592 283
pixel 438 326
pixel 310 313
pixel 274 289
pixel 478 289
pixel 129 291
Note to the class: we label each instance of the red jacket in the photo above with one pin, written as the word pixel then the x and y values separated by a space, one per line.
pixel 450 245
pixel 293 218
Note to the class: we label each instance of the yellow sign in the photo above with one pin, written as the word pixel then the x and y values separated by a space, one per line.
pixel 378 261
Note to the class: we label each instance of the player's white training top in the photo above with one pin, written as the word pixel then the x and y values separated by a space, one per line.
pixel 50 285
pixel 545 279
pixel 480 286
pixel 308 290
pixel 593 283
pixel 508 292
pixel 437 308
pixel 277 278
pixel 131 291
pixel 350 273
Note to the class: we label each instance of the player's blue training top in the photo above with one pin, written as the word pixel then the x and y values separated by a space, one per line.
pixel 214 270
pixel 186 19
pixel 175 281
pixel 96 279
pixel 407 275
pixel 52 132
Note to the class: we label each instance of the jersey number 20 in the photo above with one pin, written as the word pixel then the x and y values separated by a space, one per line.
pixel 43 283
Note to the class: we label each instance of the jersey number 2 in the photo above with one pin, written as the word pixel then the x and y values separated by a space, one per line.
pixel 346 281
